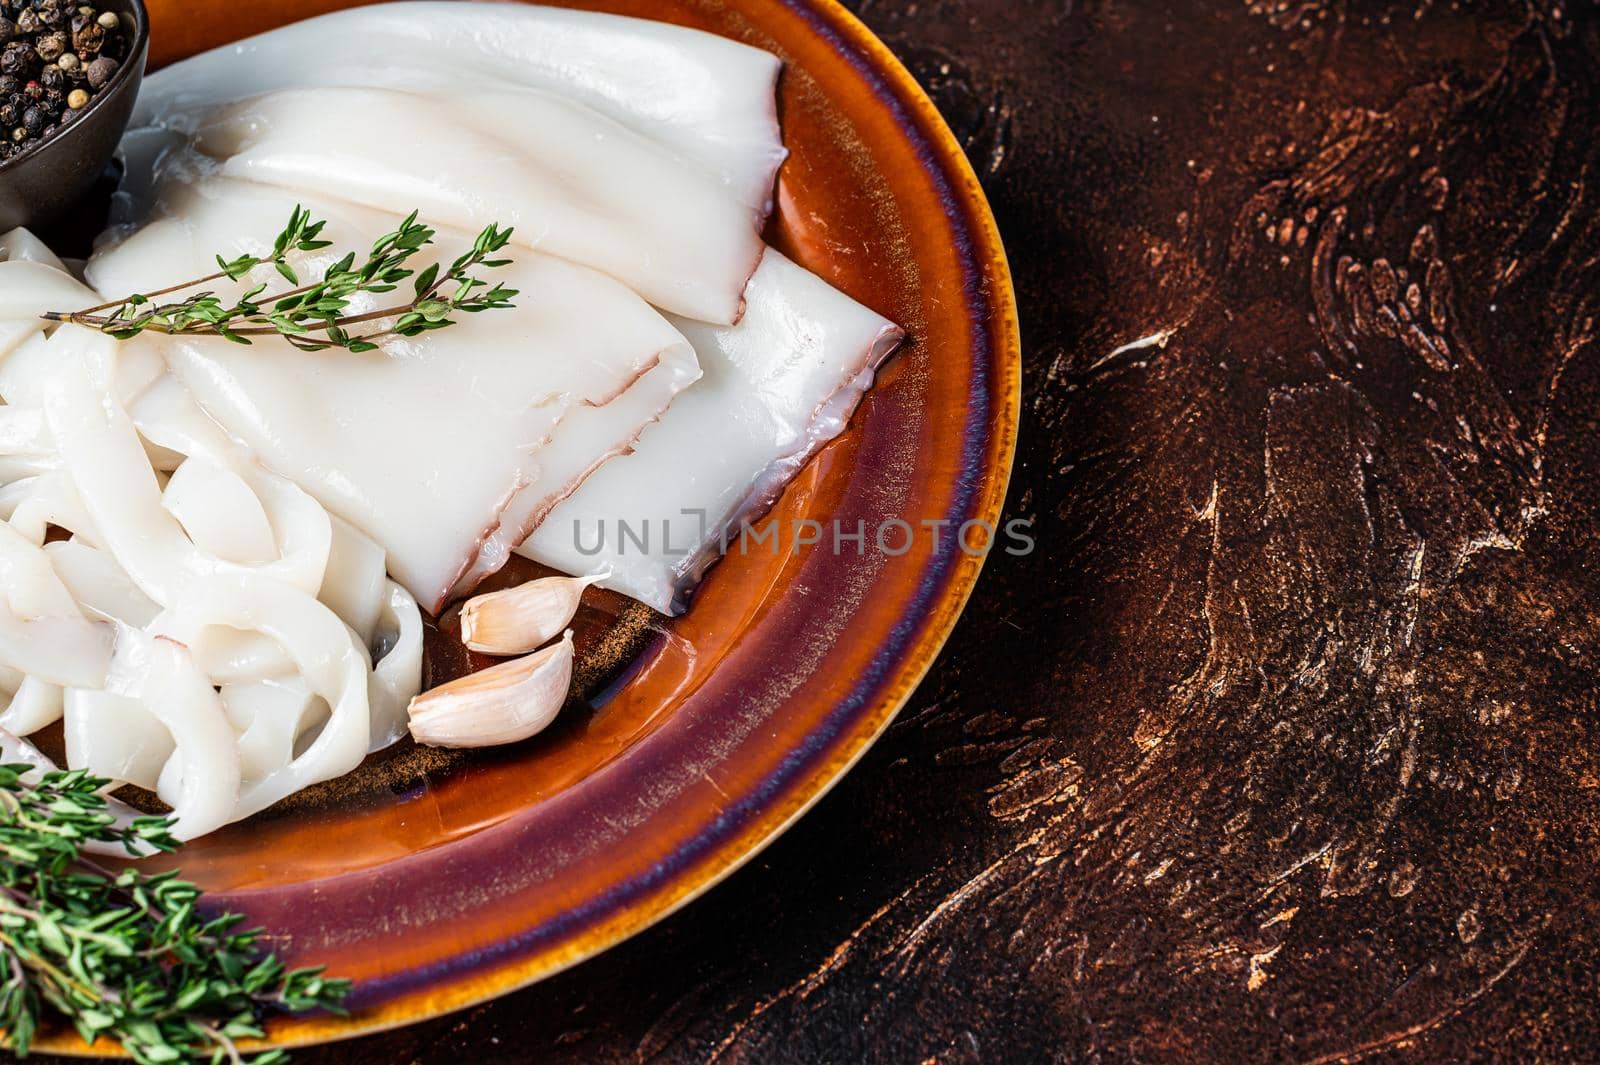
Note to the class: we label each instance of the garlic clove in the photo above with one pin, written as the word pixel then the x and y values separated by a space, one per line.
pixel 501 704
pixel 516 620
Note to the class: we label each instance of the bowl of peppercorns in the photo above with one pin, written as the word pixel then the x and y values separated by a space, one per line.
pixel 69 75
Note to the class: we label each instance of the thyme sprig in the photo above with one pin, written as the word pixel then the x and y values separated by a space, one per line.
pixel 316 316
pixel 125 955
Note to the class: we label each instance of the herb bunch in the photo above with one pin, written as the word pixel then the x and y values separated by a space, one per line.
pixel 316 316
pixel 125 955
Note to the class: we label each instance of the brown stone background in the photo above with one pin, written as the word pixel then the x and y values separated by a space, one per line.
pixel 1284 746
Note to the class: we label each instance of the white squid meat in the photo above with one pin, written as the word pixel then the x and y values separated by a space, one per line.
pixel 777 386
pixel 709 99
pixel 438 448
pixel 570 181
pixel 201 593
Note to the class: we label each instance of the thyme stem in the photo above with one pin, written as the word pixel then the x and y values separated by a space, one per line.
pixel 316 316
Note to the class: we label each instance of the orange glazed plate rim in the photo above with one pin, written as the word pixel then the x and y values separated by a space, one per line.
pixel 858 708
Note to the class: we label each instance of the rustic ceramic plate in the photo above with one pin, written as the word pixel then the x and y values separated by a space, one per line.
pixel 437 881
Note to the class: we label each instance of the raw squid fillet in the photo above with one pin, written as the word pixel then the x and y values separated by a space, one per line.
pixel 426 444
pixel 572 182
pixel 705 97
pixel 777 386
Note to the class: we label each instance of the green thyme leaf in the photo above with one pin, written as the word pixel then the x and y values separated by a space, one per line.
pixel 128 956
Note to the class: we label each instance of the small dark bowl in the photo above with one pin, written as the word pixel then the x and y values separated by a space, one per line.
pixel 43 182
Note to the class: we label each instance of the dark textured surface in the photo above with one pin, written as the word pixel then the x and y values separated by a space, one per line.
pixel 1284 745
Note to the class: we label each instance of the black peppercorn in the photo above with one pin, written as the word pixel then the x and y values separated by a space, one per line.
pixel 8 29
pixel 52 77
pixel 28 22
pixel 18 60
pixel 34 119
pixel 53 12
pixel 10 114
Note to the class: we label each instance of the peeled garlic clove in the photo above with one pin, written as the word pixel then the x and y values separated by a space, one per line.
pixel 501 704
pixel 516 620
